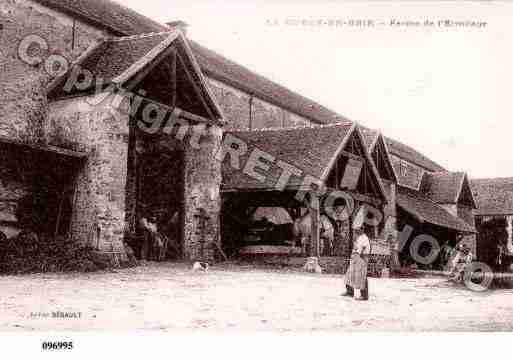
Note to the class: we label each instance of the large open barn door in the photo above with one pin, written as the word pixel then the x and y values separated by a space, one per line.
pixel 161 195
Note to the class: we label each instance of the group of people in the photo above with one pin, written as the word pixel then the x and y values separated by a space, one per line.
pixel 460 258
pixel 457 259
pixel 155 243
pixel 152 241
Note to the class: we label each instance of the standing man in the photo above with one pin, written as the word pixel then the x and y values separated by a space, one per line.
pixel 356 276
pixel 146 239
pixel 151 239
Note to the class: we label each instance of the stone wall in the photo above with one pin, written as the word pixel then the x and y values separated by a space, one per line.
pixel 23 105
pixel 202 200
pixel 99 212
pixel 243 111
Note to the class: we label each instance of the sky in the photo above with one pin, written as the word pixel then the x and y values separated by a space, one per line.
pixel 443 90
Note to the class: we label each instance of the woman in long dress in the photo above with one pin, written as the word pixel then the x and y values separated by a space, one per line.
pixel 356 276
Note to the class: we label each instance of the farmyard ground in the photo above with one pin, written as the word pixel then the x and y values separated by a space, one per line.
pixel 171 297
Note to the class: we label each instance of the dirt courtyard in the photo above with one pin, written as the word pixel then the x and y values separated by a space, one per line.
pixel 171 297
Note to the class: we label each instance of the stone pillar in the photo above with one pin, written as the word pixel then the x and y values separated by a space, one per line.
pixel 131 181
pixel 100 185
pixel 202 202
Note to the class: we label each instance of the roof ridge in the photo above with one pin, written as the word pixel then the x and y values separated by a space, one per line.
pixel 140 36
pixel 291 128
pixel 91 17
pixel 122 20
pixel 149 56
pixel 491 179
pixel 446 173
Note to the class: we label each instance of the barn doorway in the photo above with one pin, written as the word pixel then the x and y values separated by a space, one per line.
pixel 37 193
pixel 161 197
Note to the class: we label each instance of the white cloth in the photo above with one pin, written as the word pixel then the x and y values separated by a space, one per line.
pixel 362 245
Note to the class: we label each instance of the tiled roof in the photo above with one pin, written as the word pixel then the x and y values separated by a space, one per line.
pixel 494 196
pixel 408 153
pixel 123 21
pixel 110 15
pixel 224 70
pixel 425 210
pixel 311 149
pixel 442 187
pixel 117 60
pixel 111 58
pixel 403 151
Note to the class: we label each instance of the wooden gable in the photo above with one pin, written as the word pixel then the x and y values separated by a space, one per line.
pixel 466 197
pixel 382 160
pixel 353 169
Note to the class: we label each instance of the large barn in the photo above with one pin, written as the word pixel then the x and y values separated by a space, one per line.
pixel 113 161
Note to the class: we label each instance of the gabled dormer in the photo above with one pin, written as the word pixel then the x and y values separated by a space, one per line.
pixel 354 170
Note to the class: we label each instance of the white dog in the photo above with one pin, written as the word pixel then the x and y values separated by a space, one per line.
pixel 200 266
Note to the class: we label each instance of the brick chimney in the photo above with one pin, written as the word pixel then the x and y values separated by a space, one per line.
pixel 179 24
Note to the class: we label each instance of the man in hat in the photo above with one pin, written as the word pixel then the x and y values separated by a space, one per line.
pixel 357 285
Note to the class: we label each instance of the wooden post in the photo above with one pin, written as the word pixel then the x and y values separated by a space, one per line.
pixel 316 219
pixel 312 263
pixel 59 213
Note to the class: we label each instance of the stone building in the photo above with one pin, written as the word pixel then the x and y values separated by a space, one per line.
pixel 80 114
pixel 106 156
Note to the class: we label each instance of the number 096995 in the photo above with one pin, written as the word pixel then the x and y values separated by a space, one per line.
pixel 57 345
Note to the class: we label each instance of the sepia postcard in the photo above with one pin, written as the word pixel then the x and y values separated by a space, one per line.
pixel 226 167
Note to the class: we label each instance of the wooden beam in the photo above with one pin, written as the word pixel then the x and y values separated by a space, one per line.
pixel 174 80
pixel 364 198
pixel 183 114
pixel 192 117
pixel 45 148
pixel 59 213
pixel 196 88
pixel 262 195
pixel 351 155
